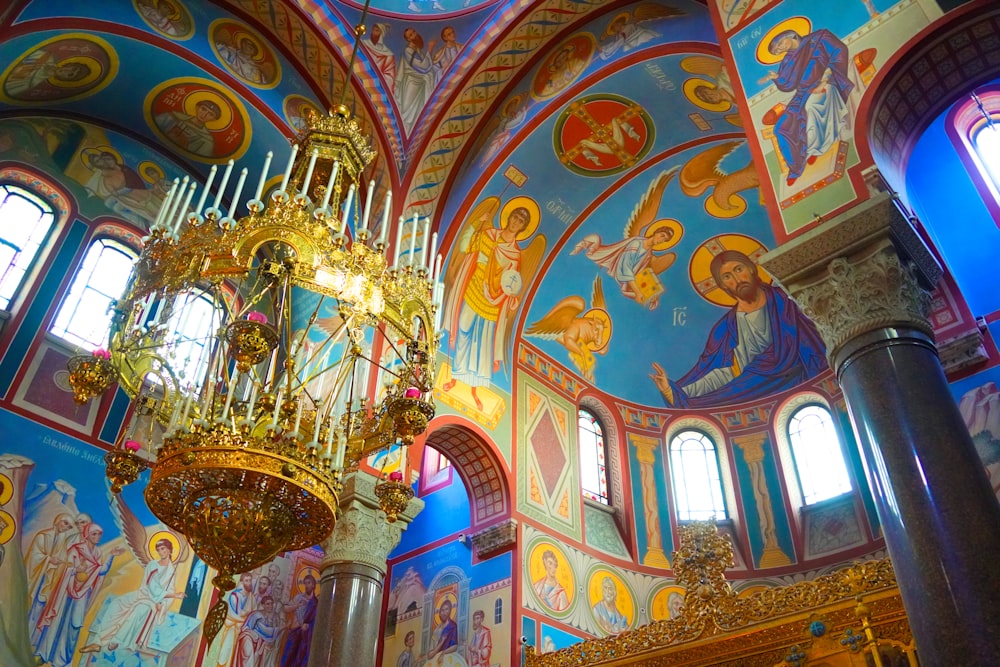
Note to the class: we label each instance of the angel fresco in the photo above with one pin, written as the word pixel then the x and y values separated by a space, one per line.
pixel 129 620
pixel 636 261
pixel 627 30
pixel 703 173
pixel 488 275
pixel 583 332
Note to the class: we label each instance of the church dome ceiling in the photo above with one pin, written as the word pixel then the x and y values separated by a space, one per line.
pixel 607 130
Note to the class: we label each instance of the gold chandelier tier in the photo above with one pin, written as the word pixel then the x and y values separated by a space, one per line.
pixel 274 350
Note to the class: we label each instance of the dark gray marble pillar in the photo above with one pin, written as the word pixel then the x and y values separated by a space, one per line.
pixel 352 575
pixel 864 278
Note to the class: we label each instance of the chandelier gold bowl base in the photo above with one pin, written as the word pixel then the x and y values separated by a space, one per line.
pixel 315 351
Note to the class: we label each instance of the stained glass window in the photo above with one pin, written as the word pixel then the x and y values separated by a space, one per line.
pixel 593 458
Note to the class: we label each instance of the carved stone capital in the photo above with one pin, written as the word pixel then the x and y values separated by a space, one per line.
pixel 496 538
pixel 863 294
pixel 362 534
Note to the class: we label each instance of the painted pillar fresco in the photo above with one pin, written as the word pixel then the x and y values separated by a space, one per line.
pixel 804 68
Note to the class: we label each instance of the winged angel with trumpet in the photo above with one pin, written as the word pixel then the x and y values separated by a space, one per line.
pixel 130 619
pixel 487 277
pixel 583 332
pixel 637 261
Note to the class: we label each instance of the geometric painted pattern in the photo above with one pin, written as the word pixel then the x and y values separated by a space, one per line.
pixel 550 456
pixel 481 470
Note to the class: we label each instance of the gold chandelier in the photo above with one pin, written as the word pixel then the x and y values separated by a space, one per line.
pixel 263 411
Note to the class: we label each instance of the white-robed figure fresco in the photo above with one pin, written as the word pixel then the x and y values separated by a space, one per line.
pixel 129 620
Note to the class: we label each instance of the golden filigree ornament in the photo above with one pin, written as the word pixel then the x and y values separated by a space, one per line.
pixel 393 496
pixel 90 375
pixel 123 466
pixel 253 337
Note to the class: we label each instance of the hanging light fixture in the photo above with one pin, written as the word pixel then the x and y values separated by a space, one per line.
pixel 263 412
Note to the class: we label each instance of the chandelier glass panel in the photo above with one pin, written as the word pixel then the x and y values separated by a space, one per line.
pixel 250 341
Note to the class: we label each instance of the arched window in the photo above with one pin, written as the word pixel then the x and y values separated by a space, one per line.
pixel 817 453
pixel 194 318
pixel 593 457
pixel 498 611
pixel 697 481
pixel 987 144
pixel 84 318
pixel 25 222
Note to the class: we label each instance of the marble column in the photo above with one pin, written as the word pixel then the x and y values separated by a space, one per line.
pixel 352 574
pixel 864 279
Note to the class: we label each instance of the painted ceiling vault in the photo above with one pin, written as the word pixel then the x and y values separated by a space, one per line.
pixel 594 147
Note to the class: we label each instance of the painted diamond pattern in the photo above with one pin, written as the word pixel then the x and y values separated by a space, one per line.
pixel 548 452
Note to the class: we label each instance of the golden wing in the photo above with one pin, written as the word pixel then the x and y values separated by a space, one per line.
pixel 645 211
pixel 702 171
pixel 481 215
pixel 557 319
pixel 709 66
pixel 597 295
pixel 648 11
pixel 132 529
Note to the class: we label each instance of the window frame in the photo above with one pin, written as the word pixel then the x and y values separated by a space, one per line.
pixel 721 489
pixel 603 469
pixel 963 122
pixel 795 457
pixel 31 269
pixel 109 241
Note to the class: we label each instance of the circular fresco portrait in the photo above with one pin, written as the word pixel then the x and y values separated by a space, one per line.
pixel 203 120
pixel 244 53
pixel 64 68
pixel 296 110
pixel 666 603
pixel 551 577
pixel 169 18
pixel 611 602
pixel 600 135
pixel 563 65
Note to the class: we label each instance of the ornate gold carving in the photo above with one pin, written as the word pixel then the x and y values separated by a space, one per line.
pixel 122 467
pixel 393 497
pixel 721 621
pixel 90 376
pixel 869 293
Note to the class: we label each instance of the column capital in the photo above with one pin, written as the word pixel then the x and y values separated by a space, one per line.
pixel 862 271
pixel 752 445
pixel 645 447
pixel 362 534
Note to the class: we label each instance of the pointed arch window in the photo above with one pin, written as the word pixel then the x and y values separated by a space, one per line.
pixel 818 454
pixel 25 223
pixel 84 318
pixel 593 457
pixel 696 476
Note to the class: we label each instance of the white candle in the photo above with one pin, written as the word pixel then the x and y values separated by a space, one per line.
pixel 239 190
pixel 263 176
pixel 174 416
pixel 384 230
pixel 347 208
pixel 298 414
pixel 288 168
pixel 430 255
pixel 309 172
pixel 222 186
pixel 229 395
pixel 253 401
pixel 399 241
pixel 423 243
pixel 338 461
pixel 169 218
pixel 437 268
pixel 368 206
pixel 329 184
pixel 208 185
pixel 184 208
pixel 187 409
pixel 413 240
pixel 160 216
pixel 277 409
